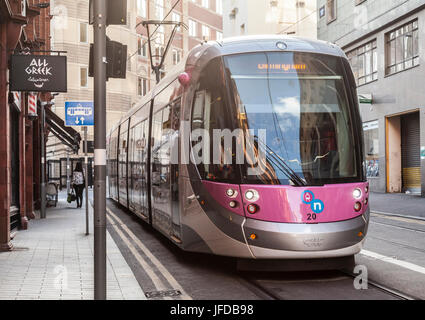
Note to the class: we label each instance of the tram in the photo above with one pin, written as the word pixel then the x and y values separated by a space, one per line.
pixel 252 147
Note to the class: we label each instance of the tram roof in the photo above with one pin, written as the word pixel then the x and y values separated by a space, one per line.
pixel 254 43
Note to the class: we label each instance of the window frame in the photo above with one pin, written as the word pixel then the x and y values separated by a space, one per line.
pixel 330 7
pixel 142 8
pixel 362 51
pixel 86 78
pixel 193 28
pixel 393 37
pixel 85 24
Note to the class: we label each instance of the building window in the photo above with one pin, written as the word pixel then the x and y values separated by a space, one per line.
pixel 159 9
pixel 24 8
pixel 129 62
pixel 192 28
pixel 364 62
pixel 219 36
pixel 331 10
pixel 402 49
pixel 142 47
pixel 159 53
pixel 177 18
pixel 83 32
pixel 371 141
pixel 84 77
pixel 141 8
pixel 205 32
pixel 219 6
pixel 142 86
pixel 322 12
pixel 206 3
pixel 176 56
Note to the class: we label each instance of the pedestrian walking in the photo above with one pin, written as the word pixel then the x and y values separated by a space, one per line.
pixel 78 182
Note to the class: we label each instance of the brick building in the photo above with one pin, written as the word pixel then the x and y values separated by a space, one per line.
pixel 24 26
pixel 203 18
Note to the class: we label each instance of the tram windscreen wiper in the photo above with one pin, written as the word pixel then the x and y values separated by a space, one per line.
pixel 281 164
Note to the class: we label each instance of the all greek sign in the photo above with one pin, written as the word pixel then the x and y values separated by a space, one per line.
pixel 38 73
pixel 79 113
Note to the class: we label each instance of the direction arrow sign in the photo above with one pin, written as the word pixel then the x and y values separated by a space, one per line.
pixel 79 113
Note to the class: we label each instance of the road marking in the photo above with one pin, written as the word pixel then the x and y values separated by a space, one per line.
pixel 159 285
pixel 167 275
pixel 399 217
pixel 400 263
pixel 397 227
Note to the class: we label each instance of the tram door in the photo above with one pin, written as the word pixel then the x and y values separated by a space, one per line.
pixel 122 164
pixel 174 166
pixel 164 176
pixel 160 177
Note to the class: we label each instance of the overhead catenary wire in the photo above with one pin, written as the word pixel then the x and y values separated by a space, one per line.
pixel 165 17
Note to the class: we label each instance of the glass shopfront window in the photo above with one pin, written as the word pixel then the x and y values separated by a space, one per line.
pixel 371 140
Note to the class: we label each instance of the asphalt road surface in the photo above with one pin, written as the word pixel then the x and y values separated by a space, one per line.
pixel 393 258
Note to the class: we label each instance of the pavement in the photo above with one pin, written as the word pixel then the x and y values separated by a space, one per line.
pixel 398 204
pixel 53 260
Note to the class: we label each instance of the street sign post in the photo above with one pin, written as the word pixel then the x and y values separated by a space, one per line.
pixel 99 67
pixel 79 113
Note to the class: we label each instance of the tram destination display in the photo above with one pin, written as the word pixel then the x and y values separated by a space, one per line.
pixel 38 73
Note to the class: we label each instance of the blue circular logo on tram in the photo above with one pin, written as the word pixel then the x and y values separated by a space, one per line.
pixel 317 205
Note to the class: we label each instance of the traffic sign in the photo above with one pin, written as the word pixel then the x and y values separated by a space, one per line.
pixel 79 113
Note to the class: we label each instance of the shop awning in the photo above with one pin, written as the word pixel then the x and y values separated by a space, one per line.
pixel 67 135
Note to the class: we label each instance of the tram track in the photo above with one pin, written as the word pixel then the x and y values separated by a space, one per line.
pixel 398 227
pixel 405 246
pixel 336 282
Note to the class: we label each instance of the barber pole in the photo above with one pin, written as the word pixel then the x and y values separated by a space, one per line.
pixel 32 103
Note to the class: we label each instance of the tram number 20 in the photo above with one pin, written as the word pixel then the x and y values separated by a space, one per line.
pixel 311 216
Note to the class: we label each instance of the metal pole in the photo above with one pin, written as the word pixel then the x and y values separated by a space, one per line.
pixel 68 182
pixel 99 55
pixel 86 180
pixel 43 168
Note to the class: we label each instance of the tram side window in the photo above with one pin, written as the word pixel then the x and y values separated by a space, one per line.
pixel 156 135
pixel 211 114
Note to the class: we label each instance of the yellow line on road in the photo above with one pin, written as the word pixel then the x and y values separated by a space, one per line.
pixel 159 285
pixel 167 275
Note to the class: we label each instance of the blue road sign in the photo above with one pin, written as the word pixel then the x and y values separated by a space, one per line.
pixel 79 113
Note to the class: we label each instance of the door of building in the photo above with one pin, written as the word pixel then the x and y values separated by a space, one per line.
pixel 410 149
pixel 14 166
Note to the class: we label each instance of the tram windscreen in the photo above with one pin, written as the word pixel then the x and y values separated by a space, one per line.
pixel 295 109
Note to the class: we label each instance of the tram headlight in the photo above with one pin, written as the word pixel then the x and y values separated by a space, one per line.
pixel 252 195
pixel 366 189
pixel 230 192
pixel 357 193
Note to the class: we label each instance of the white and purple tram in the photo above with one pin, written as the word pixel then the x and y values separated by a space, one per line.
pixel 310 198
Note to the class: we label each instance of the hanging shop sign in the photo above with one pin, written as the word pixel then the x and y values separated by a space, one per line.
pixel 38 73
